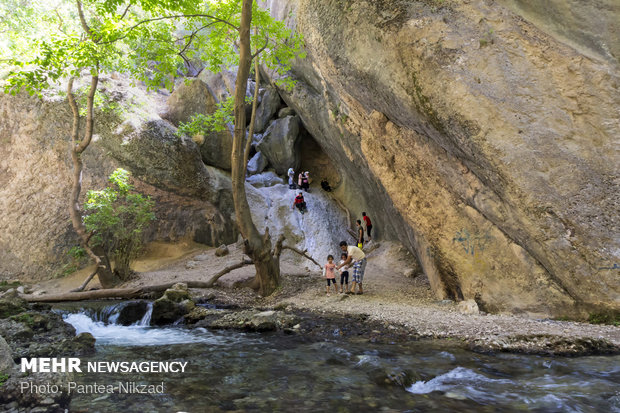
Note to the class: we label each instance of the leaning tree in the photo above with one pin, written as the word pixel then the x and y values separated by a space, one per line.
pixel 275 46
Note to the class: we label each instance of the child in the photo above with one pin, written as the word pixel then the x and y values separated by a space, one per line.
pixel 300 203
pixel 329 271
pixel 344 274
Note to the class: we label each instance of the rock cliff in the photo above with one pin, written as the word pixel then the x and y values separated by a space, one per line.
pixel 192 200
pixel 486 143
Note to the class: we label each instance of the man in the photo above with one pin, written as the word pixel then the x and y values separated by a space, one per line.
pixel 368 226
pixel 357 259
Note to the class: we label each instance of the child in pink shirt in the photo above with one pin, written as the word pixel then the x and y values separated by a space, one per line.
pixel 329 272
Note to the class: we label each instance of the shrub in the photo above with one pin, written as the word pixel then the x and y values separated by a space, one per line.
pixel 117 217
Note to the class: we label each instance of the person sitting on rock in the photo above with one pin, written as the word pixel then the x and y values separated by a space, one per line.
pixel 325 185
pixel 300 203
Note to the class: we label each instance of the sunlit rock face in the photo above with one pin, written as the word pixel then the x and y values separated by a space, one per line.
pixel 487 144
pixel 193 201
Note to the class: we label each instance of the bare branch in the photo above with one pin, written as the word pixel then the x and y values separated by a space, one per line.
pixel 302 253
pixel 125 12
pixel 85 283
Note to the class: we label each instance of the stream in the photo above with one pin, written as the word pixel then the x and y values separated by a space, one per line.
pixel 236 371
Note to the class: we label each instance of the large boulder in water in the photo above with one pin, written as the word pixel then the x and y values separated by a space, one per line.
pixel 280 144
pixel 174 304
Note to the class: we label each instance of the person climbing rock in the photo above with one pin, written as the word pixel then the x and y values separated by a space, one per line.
pixel 360 234
pixel 300 203
pixel 356 257
pixel 368 225
pixel 291 179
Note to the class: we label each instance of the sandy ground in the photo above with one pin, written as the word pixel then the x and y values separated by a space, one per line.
pixel 389 296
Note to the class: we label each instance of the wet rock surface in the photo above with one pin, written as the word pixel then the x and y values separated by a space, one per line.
pixel 35 331
pixel 174 304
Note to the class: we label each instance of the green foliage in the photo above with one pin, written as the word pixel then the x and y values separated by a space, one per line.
pixel 5 285
pixel 216 122
pixel 605 318
pixel 77 258
pixel 23 318
pixel 117 217
pixel 3 378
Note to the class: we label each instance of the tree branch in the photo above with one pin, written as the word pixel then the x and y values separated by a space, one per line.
pixel 135 291
pixel 85 283
pixel 302 253
pixel 83 20
pixel 178 16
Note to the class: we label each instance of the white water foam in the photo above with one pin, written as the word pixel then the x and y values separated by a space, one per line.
pixel 458 377
pixel 140 334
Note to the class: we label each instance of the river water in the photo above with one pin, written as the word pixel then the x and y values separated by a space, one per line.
pixel 235 371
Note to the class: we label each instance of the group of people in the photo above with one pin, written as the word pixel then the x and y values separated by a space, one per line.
pixel 303 180
pixel 352 257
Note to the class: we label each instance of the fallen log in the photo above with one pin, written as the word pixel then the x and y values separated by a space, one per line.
pixel 132 292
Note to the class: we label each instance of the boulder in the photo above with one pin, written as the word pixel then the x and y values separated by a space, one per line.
pixel 267 108
pixel 264 179
pixel 221 84
pixel 173 305
pixel 280 144
pixel 257 164
pixel 132 312
pixel 284 112
pixel 468 307
pixel 216 149
pixel 6 357
pixel 11 304
pixel 191 97
pixel 221 251
pixel 411 273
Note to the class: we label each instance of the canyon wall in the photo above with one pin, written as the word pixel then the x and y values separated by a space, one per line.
pixel 488 145
pixel 192 201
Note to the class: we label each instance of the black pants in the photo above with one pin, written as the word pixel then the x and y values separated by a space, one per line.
pixel 344 277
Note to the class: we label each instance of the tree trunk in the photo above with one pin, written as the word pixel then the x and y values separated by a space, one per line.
pixel 257 247
pixel 104 271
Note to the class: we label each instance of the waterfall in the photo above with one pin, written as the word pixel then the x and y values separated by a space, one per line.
pixel 146 318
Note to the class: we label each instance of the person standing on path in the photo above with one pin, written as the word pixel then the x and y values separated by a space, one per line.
pixel 356 257
pixel 368 225
pixel 360 234
pixel 329 272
